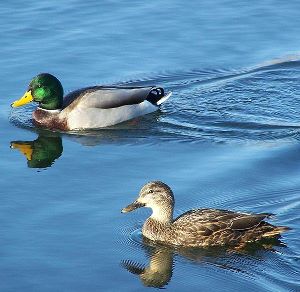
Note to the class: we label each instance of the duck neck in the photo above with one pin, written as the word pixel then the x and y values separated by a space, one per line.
pixel 162 214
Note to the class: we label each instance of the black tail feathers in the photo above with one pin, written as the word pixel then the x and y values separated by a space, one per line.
pixel 155 95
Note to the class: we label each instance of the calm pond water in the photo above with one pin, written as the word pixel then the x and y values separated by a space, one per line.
pixel 228 138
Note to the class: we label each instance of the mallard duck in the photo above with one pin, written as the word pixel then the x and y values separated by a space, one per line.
pixel 88 108
pixel 200 227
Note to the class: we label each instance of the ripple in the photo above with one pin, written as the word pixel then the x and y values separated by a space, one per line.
pixel 253 104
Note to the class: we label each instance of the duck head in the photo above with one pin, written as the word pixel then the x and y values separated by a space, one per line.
pixel 155 195
pixel 44 89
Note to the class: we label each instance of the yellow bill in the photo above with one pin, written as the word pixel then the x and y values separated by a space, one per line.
pixel 24 148
pixel 26 98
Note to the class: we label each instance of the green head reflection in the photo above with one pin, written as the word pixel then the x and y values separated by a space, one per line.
pixel 42 152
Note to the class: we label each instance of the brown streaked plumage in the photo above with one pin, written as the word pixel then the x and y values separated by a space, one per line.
pixel 200 227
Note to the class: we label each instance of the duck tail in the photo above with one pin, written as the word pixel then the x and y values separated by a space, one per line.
pixel 163 99
pixel 276 231
pixel 157 96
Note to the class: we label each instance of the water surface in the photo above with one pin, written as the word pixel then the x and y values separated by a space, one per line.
pixel 228 138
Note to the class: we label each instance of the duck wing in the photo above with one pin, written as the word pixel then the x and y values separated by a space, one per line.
pixel 208 227
pixel 247 221
pixel 105 97
pixel 207 221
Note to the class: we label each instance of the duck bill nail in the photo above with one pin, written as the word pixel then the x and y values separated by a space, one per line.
pixel 26 98
pixel 132 207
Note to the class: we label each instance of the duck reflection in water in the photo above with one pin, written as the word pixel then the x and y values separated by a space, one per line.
pixel 42 152
pixel 159 271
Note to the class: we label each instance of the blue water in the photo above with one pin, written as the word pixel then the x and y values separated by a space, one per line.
pixel 228 138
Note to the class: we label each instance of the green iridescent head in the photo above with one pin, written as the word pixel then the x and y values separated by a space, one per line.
pixel 44 89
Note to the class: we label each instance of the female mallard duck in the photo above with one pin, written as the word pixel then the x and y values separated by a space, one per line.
pixel 88 108
pixel 201 227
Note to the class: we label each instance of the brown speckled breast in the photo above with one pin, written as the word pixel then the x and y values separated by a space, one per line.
pixel 157 231
pixel 49 120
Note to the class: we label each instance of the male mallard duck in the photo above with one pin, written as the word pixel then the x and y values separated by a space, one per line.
pixel 200 227
pixel 88 108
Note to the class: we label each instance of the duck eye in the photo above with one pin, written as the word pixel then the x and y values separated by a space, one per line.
pixel 150 191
